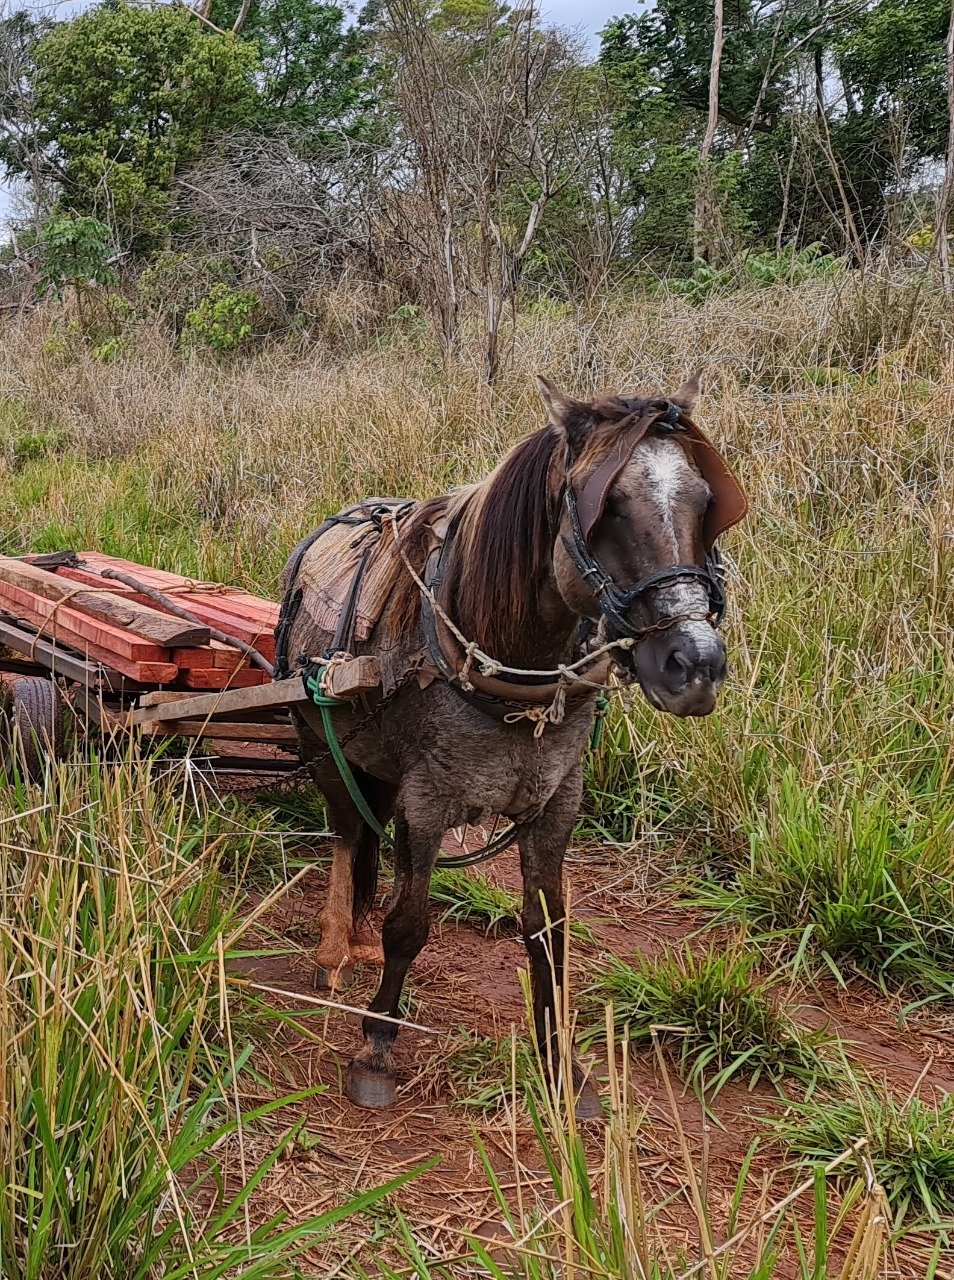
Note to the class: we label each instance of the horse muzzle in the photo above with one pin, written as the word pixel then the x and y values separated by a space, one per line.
pixel 681 669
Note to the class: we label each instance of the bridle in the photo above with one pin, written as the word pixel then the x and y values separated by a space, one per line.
pixel 615 602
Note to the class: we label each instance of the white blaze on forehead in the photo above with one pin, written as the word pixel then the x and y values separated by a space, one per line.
pixel 660 469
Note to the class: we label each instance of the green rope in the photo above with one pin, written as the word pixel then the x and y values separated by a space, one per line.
pixel 325 705
pixel 596 734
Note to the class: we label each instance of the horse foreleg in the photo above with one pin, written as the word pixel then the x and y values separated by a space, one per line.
pixel 542 850
pixel 371 1079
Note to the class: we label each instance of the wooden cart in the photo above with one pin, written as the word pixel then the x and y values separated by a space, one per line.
pixel 43 682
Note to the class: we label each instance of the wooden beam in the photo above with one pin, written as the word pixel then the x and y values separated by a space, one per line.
pixel 218 730
pixel 103 605
pixel 278 693
pixel 60 663
pixel 217 678
pixel 76 629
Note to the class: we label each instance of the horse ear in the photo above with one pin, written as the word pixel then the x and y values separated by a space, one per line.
pixel 571 417
pixel 688 393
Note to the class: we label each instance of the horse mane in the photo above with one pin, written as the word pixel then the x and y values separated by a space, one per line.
pixel 503 531
pixel 503 543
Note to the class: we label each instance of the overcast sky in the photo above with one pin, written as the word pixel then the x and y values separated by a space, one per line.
pixel 587 15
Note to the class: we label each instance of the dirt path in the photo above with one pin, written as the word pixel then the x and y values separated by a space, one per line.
pixel 466 982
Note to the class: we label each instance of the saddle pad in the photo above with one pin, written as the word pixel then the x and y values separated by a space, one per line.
pixel 327 571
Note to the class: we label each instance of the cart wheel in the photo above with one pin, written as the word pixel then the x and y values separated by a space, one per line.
pixel 37 723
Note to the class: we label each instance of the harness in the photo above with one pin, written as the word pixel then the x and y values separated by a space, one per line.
pixel 503 693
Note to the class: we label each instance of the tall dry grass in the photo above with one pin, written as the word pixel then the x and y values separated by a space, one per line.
pixel 819 799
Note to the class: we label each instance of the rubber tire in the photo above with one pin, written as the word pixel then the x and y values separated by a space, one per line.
pixel 36 714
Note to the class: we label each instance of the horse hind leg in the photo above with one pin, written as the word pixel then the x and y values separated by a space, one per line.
pixel 346 936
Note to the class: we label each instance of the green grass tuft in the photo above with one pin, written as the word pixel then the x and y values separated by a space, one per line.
pixel 857 881
pixel 711 1013
pixel 482 1071
pixel 470 897
pixel 910 1146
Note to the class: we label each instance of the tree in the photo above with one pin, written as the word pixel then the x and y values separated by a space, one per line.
pixel 316 74
pixel 487 137
pixel 124 98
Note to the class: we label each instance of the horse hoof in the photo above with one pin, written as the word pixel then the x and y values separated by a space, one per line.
pixel 375 1090
pixel 333 979
pixel 589 1105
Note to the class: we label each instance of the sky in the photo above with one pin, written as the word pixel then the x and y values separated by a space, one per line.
pixel 588 16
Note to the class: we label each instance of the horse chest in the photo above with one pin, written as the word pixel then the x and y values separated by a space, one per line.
pixel 475 776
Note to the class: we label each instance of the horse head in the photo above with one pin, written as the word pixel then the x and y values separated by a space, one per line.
pixel 644 496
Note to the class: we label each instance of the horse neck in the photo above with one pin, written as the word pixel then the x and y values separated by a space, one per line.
pixel 547 636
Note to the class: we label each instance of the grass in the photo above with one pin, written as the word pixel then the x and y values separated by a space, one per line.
pixel 470 897
pixel 716 1018
pixel 855 880
pixel 910 1147
pixel 604 1217
pixel 484 1072
pixel 123 1060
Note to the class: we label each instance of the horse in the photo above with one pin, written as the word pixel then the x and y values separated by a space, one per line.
pixel 588 549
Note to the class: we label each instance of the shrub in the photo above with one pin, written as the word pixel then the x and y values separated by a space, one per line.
pixel 222 322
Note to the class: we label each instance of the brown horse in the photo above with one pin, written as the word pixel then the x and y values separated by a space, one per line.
pixel 608 513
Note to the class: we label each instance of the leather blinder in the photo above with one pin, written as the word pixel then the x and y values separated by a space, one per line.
pixel 728 504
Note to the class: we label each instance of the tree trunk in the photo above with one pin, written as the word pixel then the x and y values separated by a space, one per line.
pixel 946 197
pixel 704 220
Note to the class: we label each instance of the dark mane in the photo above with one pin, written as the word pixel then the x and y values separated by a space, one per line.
pixel 504 544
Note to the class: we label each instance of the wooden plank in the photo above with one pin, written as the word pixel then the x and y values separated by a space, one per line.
pixel 221 731
pixel 346 680
pixel 236 599
pixel 75 628
pixel 211 655
pixel 216 678
pixel 103 605
pixel 254 632
pixel 108 671
pixel 277 693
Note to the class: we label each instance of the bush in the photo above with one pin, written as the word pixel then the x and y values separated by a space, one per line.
pixel 222 322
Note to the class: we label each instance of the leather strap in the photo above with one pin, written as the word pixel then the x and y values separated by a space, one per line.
pixel 728 504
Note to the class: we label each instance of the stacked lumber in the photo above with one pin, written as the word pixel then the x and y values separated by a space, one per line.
pixel 127 631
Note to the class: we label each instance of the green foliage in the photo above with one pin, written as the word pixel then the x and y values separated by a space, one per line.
pixel 119 1054
pixel 470 897
pixel 762 270
pixel 317 74
pixel 855 879
pixel 75 251
pixel 892 56
pixel 910 1146
pixel 222 322
pixel 124 98
pixel 711 1011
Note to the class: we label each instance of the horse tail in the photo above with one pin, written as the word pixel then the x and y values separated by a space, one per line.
pixel 364 872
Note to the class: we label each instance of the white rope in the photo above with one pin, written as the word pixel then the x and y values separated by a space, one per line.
pixel 490 666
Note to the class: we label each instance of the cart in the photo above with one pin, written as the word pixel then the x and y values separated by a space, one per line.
pixel 44 683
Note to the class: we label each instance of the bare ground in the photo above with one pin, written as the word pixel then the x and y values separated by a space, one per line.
pixel 467 981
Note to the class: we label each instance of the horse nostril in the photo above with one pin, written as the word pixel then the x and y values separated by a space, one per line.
pixel 678 666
